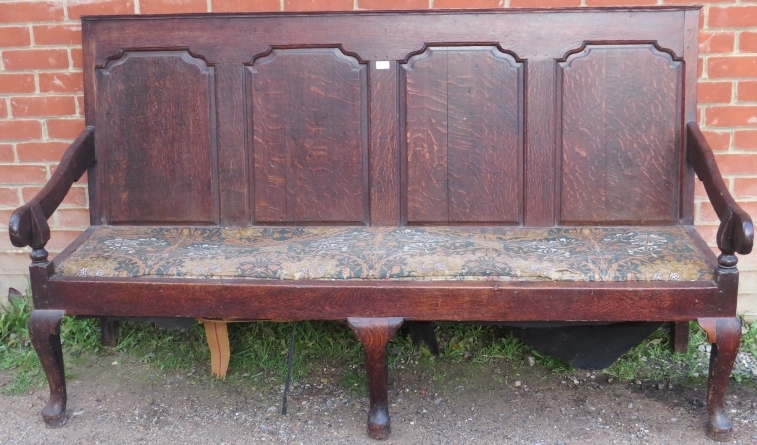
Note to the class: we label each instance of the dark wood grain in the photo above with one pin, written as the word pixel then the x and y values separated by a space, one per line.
pixel 725 335
pixel 154 114
pixel 426 137
pixel 620 137
pixel 690 51
pixel 310 144
pixel 539 160
pixel 232 145
pixel 374 334
pixel 463 136
pixel 390 35
pixel 525 117
pixel 452 301
pixel 384 145
pixel 679 337
pixel 44 332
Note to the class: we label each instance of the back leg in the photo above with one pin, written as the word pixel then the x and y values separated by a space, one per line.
pixel 108 332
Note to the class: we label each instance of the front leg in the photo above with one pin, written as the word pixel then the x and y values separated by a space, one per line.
pixel 44 330
pixel 374 334
pixel 725 336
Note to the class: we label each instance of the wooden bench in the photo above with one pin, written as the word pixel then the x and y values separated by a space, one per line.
pixel 376 167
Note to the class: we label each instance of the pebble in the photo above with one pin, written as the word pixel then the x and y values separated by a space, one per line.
pixel 530 361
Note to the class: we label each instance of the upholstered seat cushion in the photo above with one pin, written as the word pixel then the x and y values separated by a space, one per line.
pixel 406 253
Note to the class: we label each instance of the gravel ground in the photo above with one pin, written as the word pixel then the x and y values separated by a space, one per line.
pixel 444 403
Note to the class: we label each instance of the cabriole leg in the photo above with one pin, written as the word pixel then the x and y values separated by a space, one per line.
pixel 374 334
pixel 44 330
pixel 725 335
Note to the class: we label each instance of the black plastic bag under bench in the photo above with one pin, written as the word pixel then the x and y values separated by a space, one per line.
pixel 584 345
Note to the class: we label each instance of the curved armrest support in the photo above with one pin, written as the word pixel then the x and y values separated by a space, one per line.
pixel 28 223
pixel 736 232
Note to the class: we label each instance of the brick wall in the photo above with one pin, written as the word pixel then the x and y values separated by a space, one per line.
pixel 41 105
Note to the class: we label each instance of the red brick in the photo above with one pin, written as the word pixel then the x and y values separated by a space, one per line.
pixel 468 3
pixel 22 174
pixel 245 5
pixel 707 213
pixel 80 103
pixel 708 92
pixel 747 91
pixel 172 6
pixel 732 16
pixel 15 12
pixel 65 82
pixel 689 2
pixel 43 106
pixel 78 8
pixel 736 164
pixel 3 108
pixel 40 151
pixel 719 141
pixel 620 2
pixel 544 3
pixel 64 128
pixel 6 153
pixel 748 42
pixel 708 233
pixel 71 218
pixel 732 66
pixel 76 195
pixel 699 191
pixel 57 34
pixel 745 139
pixel 32 59
pixel 318 5
pixel 15 36
pixel 14 129
pixel 60 239
pixel 700 67
pixel 743 187
pixel 16 83
pixel 731 116
pixel 392 4
pixel 716 42
pixel 9 196
pixel 76 58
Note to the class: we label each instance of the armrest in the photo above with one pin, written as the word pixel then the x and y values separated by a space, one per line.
pixel 736 232
pixel 28 223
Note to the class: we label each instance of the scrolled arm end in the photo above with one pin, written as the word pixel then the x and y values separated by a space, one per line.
pixel 736 231
pixel 28 223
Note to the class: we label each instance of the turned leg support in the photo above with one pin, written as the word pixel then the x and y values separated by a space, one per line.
pixel 725 336
pixel 374 334
pixel 44 330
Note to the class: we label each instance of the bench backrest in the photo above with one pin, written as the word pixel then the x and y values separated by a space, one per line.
pixel 533 118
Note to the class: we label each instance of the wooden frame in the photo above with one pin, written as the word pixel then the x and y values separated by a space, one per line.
pixel 227 134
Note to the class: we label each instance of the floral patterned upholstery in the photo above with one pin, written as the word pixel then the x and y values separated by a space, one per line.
pixel 382 253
